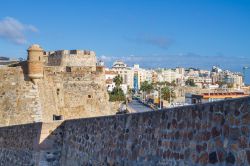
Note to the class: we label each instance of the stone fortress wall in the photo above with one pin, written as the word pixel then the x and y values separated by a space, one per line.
pixel 71 58
pixel 39 90
pixel 214 133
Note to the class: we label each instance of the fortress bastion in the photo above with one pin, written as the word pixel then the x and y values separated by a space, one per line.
pixel 55 85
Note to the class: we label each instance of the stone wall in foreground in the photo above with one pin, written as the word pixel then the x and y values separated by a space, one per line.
pixel 205 134
pixel 214 133
pixel 31 144
pixel 18 144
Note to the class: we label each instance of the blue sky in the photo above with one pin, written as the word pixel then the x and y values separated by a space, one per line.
pixel 153 33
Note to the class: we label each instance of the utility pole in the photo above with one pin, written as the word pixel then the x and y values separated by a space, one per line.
pixel 209 89
pixel 170 95
pixel 160 97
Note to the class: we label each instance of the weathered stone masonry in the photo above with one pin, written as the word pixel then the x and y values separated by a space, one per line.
pixel 54 85
pixel 205 134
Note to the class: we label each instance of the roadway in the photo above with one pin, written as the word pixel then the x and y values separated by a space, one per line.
pixel 136 106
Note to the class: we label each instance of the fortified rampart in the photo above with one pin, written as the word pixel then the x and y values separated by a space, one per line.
pixel 215 133
pixel 71 58
pixel 71 94
pixel 34 91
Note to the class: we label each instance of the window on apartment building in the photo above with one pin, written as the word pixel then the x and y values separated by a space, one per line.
pixel 89 96
pixel 57 117
pixel 125 79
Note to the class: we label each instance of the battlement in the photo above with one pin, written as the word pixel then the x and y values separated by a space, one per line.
pixel 71 58
pixel 70 52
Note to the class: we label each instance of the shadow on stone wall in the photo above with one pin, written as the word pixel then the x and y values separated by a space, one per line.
pixel 214 133
pixel 31 144
pixel 24 67
pixel 19 144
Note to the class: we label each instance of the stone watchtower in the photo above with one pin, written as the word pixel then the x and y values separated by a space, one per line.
pixel 35 62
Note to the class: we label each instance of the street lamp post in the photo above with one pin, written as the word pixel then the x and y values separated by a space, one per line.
pixel 170 95
pixel 160 97
pixel 159 91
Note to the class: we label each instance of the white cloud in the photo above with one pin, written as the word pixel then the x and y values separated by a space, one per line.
pixel 181 59
pixel 127 59
pixel 14 31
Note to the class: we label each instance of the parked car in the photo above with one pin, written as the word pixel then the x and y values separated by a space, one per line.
pixel 122 112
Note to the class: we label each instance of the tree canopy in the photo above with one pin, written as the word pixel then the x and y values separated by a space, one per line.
pixel 190 82
pixel 146 87
pixel 168 94
pixel 118 80
pixel 117 93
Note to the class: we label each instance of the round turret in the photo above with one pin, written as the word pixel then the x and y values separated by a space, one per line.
pixel 35 62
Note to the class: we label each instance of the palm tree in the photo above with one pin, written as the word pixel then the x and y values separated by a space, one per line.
pixel 118 80
pixel 146 87
pixel 117 93
pixel 168 94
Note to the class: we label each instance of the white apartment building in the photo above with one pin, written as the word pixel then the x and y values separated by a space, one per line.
pixel 109 76
pixel 227 77
pixel 201 81
pixel 125 72
pixel 191 72
pixel 170 75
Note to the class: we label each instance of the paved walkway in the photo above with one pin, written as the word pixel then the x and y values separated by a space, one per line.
pixel 136 106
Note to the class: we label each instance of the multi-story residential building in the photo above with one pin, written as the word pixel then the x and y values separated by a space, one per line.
pixel 204 73
pixel 110 84
pixel 154 76
pixel 134 76
pixel 201 82
pixel 234 79
pixel 125 72
pixel 214 77
pixel 180 70
pixel 109 76
pixel 192 72
pixel 149 76
pixel 170 75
